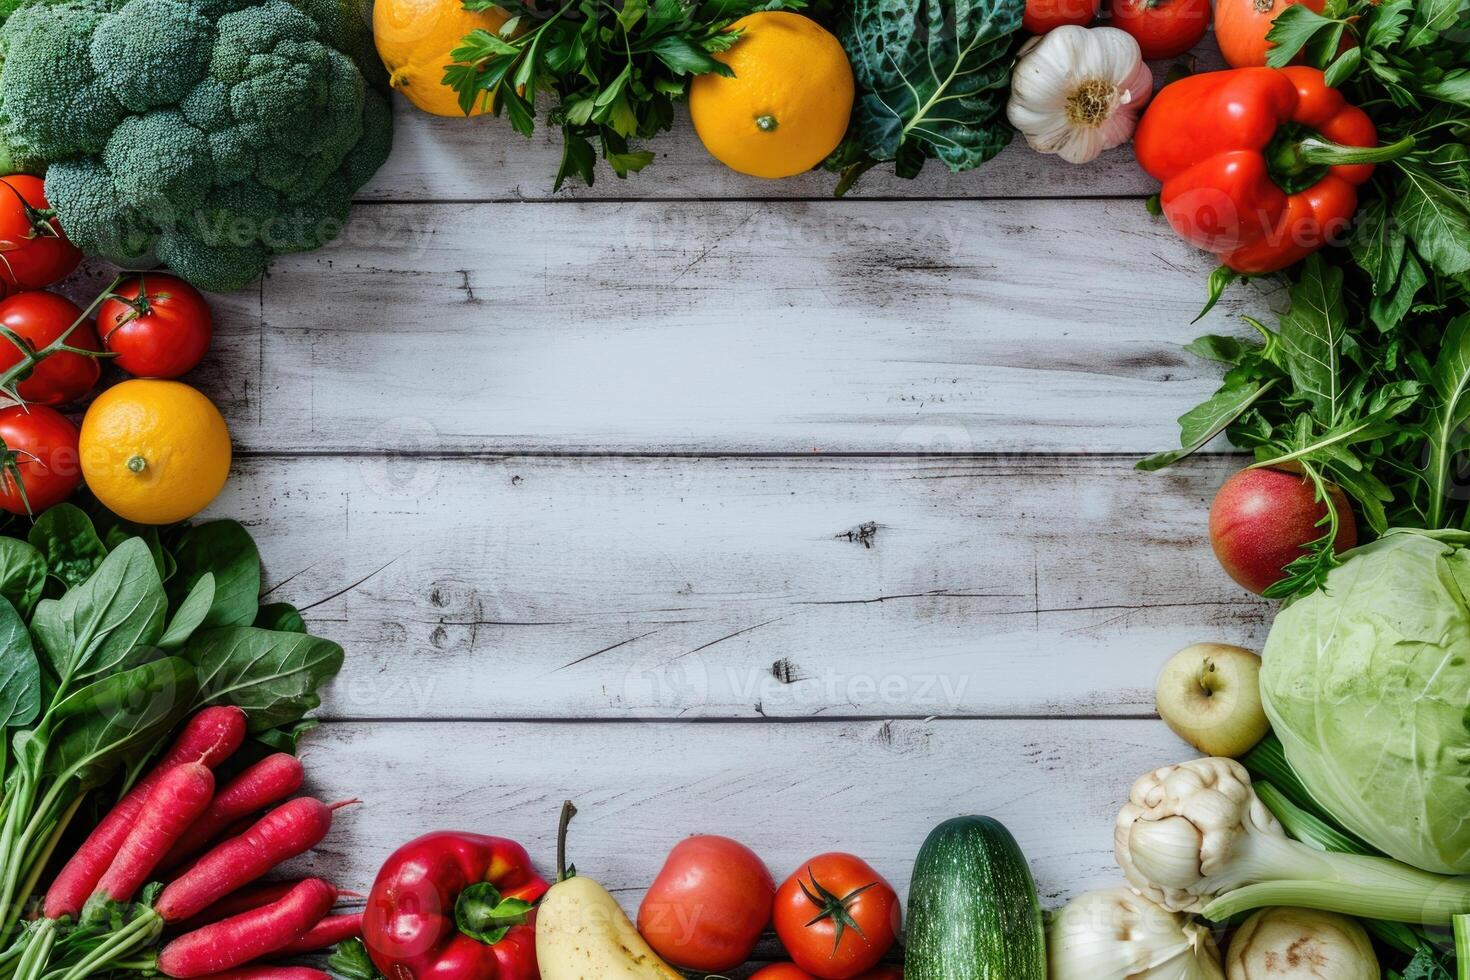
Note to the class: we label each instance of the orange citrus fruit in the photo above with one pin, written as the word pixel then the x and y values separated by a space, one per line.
pixel 154 452
pixel 788 105
pixel 414 38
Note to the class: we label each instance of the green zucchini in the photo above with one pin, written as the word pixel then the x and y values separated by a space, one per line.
pixel 973 909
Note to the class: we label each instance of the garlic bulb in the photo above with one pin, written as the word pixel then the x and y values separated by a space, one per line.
pixel 1301 944
pixel 1077 91
pixel 1117 935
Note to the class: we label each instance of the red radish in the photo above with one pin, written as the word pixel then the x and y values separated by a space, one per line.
pixel 270 973
pixel 247 898
pixel 1262 518
pixel 269 781
pixel 292 828
pixel 239 939
pixel 325 934
pixel 177 800
pixel 210 737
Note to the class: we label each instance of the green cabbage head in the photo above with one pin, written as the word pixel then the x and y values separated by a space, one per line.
pixel 1368 687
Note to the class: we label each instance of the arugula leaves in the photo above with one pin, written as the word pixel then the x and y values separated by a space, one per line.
pixel 614 71
pixel 933 77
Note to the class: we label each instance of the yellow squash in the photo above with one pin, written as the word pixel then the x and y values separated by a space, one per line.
pixel 583 934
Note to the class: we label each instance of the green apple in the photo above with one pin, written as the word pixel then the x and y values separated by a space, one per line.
pixel 1210 695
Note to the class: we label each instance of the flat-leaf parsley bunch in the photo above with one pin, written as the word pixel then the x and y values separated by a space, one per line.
pixel 613 70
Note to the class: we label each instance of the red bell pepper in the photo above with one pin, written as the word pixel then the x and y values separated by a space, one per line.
pixel 454 906
pixel 1259 165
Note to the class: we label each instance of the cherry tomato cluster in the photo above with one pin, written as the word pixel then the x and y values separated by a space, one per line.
pixel 152 324
pixel 707 908
pixel 1162 28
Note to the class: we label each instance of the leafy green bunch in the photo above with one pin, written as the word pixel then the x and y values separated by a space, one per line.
pixel 614 70
pixel 110 635
pixel 1364 382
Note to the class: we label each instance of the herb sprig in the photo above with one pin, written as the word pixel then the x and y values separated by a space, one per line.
pixel 613 70
pixel 1364 383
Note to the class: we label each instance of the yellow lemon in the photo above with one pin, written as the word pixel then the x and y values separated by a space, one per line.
pixel 414 38
pixel 788 105
pixel 154 452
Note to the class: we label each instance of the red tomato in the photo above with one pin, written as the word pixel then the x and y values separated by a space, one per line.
pixel 1261 519
pixel 1163 28
pixel 158 325
pixel 38 318
pixel 40 449
pixel 1241 27
pixel 790 971
pixel 837 916
pixel 709 904
pixel 34 252
pixel 1043 15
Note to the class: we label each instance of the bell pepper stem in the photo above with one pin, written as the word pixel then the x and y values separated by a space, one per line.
pixel 568 811
pixel 1299 156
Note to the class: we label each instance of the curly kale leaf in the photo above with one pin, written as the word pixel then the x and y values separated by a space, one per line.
pixel 932 77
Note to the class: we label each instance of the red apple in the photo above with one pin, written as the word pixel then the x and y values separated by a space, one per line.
pixel 1261 520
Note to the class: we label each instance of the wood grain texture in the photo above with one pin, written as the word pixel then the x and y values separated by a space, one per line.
pixel 452 159
pixel 789 791
pixel 712 588
pixel 950 327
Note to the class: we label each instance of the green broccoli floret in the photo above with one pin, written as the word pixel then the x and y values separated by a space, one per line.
pixel 210 133
pixel 173 40
pixel 52 103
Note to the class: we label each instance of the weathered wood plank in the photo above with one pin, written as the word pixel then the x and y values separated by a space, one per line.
pixel 481 159
pixel 950 327
pixel 789 791
pixel 712 588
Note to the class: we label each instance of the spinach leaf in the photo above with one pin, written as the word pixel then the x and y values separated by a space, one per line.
pixel 225 550
pixel 273 676
pixel 65 537
pixel 280 616
pixel 22 574
pixel 115 531
pixel 95 625
pixel 20 672
pixel 190 614
pixel 287 738
pixel 119 719
pixel 933 77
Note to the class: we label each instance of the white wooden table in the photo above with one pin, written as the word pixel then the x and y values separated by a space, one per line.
pixel 719 505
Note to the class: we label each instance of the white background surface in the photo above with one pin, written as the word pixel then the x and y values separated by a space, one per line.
pixel 581 483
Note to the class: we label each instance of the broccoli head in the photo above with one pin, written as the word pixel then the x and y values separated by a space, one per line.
pixel 205 134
